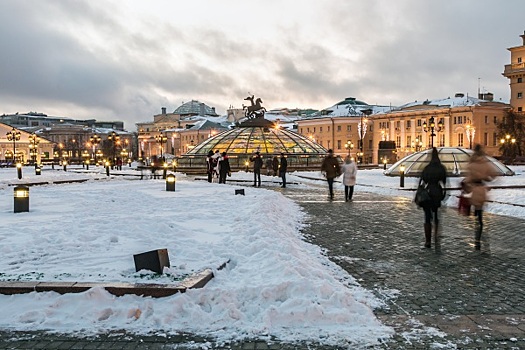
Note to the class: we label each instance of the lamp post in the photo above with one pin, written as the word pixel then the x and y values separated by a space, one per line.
pixel 115 139
pixel 417 144
pixel 349 146
pixel 94 140
pixel 34 140
pixel 13 135
pixel 161 140
pixel 431 126
pixel 470 131
pixel 507 142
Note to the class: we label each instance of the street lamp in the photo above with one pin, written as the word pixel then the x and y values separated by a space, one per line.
pixel 94 140
pixel 417 144
pixel 506 142
pixel 161 140
pixel 13 135
pixel 431 126
pixel 361 128
pixel 349 146
pixel 34 140
pixel 113 137
pixel 470 131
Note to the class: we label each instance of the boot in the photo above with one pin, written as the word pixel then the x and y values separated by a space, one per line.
pixel 428 235
pixel 477 238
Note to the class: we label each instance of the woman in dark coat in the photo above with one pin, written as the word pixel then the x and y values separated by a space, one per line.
pixel 434 175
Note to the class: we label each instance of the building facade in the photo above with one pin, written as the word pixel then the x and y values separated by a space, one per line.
pixel 515 72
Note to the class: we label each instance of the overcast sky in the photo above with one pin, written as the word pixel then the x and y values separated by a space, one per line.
pixel 124 60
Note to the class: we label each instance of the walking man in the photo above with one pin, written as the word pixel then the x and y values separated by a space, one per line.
pixel 257 165
pixel 330 169
pixel 282 169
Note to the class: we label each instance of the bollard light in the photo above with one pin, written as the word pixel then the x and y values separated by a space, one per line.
pixel 402 175
pixel 246 163
pixel 170 182
pixel 129 162
pixel 87 164
pixel 38 170
pixel 384 163
pixel 64 163
pixel 19 170
pixel 21 197
pixel 107 168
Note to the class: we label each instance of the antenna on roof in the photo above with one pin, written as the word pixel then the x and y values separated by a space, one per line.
pixel 479 80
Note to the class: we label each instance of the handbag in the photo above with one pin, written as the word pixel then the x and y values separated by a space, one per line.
pixel 422 196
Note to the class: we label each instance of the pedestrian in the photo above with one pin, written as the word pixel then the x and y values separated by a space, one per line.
pixel 210 165
pixel 331 169
pixel 224 168
pixel 257 165
pixel 434 178
pixel 275 166
pixel 283 167
pixel 479 171
pixel 269 166
pixel 215 170
pixel 349 170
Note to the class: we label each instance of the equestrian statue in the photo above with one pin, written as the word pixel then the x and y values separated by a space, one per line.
pixel 255 110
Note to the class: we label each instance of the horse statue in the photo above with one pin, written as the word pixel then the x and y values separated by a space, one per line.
pixel 255 110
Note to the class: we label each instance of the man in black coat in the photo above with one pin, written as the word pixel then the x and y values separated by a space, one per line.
pixel 257 166
pixel 282 169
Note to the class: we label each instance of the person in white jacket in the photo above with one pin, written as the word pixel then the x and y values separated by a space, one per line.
pixel 349 170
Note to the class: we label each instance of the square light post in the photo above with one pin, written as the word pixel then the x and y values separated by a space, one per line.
pixel 21 199
pixel 402 175
pixel 19 170
pixel 170 182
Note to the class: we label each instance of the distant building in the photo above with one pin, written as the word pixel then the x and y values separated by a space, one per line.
pixel 172 134
pixel 515 72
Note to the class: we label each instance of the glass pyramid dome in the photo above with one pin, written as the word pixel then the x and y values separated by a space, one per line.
pixel 257 135
pixel 455 160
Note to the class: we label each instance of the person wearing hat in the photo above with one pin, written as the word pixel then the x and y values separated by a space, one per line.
pixel 331 169
pixel 257 166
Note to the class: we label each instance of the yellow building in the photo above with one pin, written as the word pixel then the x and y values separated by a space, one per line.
pixel 515 72
pixel 20 146
pixel 459 121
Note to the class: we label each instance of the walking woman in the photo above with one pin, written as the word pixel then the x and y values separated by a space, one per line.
pixel 434 176
pixel 349 170
pixel 480 170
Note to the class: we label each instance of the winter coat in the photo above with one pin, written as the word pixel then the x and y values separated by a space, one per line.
pixel 331 167
pixel 349 171
pixel 284 165
pixel 434 175
pixel 480 170
pixel 224 165
pixel 275 164
pixel 257 162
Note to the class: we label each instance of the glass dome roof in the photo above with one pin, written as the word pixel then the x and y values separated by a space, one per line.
pixel 455 160
pixel 265 138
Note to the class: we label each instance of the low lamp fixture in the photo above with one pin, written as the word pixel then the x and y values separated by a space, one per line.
pixel 170 182
pixel 19 170
pixel 21 199
pixel 402 175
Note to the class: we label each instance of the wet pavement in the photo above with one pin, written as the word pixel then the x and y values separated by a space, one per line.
pixel 448 297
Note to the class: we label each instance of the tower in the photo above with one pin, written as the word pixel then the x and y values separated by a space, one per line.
pixel 515 72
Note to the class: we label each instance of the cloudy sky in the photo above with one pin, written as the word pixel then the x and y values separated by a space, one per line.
pixel 125 59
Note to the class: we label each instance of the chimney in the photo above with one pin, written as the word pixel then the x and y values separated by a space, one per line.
pixel 488 96
pixel 523 37
pixel 163 109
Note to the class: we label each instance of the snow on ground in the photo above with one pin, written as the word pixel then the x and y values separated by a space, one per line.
pixel 275 284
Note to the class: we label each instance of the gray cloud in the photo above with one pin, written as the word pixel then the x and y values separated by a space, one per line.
pixel 87 58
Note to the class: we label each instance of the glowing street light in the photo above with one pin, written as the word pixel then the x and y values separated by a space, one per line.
pixel 431 126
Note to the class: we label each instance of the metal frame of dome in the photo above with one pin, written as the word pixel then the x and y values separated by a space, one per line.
pixel 256 135
pixel 455 160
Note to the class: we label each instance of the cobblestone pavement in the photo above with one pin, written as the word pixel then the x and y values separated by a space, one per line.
pixel 447 297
